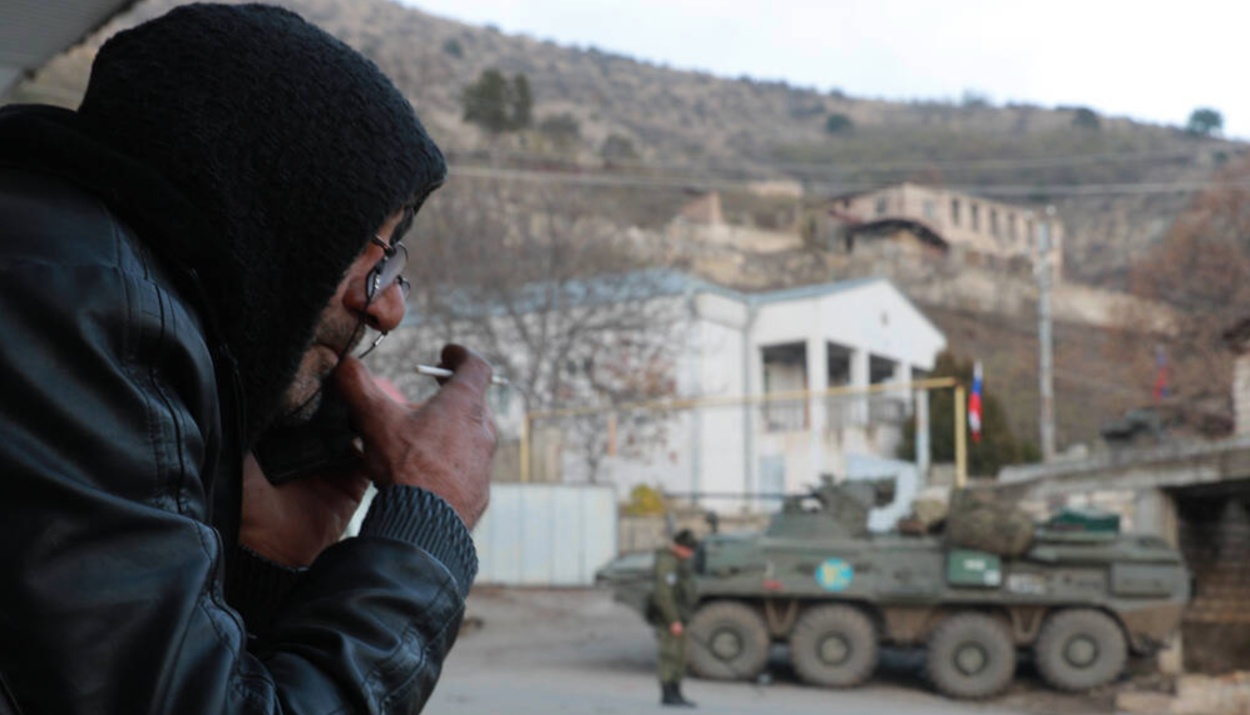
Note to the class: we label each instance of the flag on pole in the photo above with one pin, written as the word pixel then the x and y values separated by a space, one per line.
pixel 974 403
pixel 1161 373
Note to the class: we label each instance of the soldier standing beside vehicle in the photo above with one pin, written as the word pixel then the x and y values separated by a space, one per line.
pixel 673 602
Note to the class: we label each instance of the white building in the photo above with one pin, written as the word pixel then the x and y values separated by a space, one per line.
pixel 736 352
pixel 848 334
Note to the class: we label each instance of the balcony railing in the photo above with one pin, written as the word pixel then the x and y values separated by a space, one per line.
pixel 841 411
pixel 784 416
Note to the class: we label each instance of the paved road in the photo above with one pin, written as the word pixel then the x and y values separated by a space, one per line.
pixel 540 652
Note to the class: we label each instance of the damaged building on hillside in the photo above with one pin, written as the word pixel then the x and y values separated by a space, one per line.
pixel 981 232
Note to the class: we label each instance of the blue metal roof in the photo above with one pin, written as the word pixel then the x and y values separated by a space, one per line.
pixel 818 290
pixel 625 287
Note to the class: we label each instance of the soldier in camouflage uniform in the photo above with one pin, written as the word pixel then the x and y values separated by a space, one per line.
pixel 673 602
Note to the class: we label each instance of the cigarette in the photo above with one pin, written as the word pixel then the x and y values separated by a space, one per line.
pixel 444 372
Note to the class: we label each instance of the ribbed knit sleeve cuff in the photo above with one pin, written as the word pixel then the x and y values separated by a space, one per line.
pixel 423 519
pixel 256 587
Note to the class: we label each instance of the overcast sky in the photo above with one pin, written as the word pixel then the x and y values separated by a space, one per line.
pixel 1147 59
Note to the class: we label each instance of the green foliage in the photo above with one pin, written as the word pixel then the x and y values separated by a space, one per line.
pixel 618 147
pixel 838 124
pixel 973 99
pixel 498 104
pixel 522 102
pixel 644 501
pixel 1086 118
pixel 998 447
pixel 453 48
pixel 1204 122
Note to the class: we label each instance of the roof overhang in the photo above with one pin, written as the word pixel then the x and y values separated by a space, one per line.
pixel 922 232
pixel 32 32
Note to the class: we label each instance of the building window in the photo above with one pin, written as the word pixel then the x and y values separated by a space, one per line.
pixel 994 223
pixel 955 211
pixel 1011 227
pixel 976 217
pixel 930 209
pixel 785 370
pixel 882 205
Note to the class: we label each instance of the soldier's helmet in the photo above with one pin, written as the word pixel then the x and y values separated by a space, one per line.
pixel 686 538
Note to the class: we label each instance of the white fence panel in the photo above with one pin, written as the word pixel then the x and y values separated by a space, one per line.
pixel 546 534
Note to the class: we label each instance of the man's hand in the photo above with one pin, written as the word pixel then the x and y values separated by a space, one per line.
pixel 444 445
pixel 676 628
pixel 292 523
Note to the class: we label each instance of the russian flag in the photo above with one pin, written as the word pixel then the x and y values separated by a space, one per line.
pixel 1161 373
pixel 974 404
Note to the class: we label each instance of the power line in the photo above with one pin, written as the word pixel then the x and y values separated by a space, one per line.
pixel 604 179
pixel 835 166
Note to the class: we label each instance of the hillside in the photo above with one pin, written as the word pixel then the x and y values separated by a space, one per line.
pixel 695 127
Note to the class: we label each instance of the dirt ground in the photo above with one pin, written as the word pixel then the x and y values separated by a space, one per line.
pixel 576 651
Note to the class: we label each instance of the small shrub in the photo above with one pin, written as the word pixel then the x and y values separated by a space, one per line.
pixel 1204 122
pixel 645 501
pixel 838 124
pixel 1086 118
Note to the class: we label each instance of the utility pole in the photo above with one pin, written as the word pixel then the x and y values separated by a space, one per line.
pixel 1045 358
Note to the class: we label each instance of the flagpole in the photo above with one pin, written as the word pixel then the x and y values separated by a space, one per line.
pixel 1160 390
pixel 1045 356
pixel 961 444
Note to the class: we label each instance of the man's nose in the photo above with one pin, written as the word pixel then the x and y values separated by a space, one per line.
pixel 386 311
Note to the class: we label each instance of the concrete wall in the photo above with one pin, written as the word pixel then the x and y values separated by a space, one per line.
pixel 1241 394
pixel 741 238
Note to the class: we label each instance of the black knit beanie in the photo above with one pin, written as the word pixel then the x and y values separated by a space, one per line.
pixel 292 146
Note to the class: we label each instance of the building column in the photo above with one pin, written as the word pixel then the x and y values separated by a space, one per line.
pixel 902 373
pixel 902 376
pixel 817 385
pixel 859 379
pixel 923 450
pixel 1154 512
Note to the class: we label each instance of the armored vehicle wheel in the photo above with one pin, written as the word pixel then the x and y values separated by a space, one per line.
pixel 834 646
pixel 728 641
pixel 1079 649
pixel 971 655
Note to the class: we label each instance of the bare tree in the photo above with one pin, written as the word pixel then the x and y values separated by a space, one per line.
pixel 1202 270
pixel 570 307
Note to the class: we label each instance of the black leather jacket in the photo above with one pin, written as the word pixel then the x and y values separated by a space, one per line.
pixel 116 466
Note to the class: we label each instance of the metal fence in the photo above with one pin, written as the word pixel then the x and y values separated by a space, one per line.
pixel 546 534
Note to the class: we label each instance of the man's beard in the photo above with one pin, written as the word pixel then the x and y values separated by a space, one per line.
pixel 336 336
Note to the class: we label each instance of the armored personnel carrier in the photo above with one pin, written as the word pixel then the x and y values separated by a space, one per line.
pixel 1077 593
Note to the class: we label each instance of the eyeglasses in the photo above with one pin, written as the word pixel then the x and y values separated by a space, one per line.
pixel 389 269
